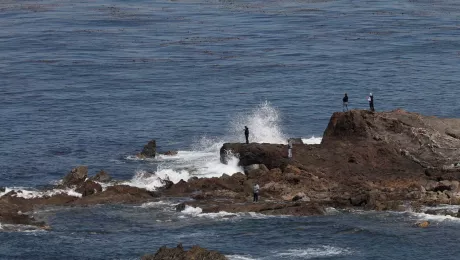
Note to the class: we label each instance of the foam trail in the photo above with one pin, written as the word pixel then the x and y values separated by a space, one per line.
pixel 30 194
pixel 240 257
pixel 315 252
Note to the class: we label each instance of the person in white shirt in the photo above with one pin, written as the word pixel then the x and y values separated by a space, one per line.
pixel 256 192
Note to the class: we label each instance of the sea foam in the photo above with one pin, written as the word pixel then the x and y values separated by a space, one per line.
pixel 314 252
pixel 30 194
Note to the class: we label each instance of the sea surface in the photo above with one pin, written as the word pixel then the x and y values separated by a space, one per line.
pixel 89 82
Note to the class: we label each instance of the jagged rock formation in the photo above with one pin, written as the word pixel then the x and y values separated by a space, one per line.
pixel 178 253
pixel 149 150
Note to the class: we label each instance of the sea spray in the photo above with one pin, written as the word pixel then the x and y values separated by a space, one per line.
pixel 264 123
pixel 203 160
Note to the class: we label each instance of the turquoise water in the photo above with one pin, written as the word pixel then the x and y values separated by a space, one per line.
pixel 90 82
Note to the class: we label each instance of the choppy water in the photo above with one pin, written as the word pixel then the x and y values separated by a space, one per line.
pixel 90 82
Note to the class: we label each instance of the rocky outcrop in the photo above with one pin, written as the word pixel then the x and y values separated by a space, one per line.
pixel 149 150
pixel 430 141
pixel 179 253
pixel 271 155
pixel 101 176
pixel 76 176
pixel 117 194
pixel 366 159
pixel 89 188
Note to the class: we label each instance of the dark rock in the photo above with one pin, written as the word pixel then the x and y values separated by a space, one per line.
pixel 101 176
pixel 89 188
pixel 167 184
pixel 178 253
pixel 272 156
pixel 359 200
pixel 76 177
pixel 2 189
pixel 180 207
pixel 10 193
pixel 441 188
pixel 150 149
pixel 118 194
pixel 171 153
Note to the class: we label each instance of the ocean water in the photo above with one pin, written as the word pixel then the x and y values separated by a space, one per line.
pixel 91 82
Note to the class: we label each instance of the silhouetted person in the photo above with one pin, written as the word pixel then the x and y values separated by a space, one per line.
pixel 345 102
pixel 371 102
pixel 246 134
pixel 256 192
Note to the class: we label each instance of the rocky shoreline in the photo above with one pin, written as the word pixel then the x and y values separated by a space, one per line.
pixel 367 160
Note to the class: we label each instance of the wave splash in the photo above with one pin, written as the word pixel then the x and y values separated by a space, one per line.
pixel 203 160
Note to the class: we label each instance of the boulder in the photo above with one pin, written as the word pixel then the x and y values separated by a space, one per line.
pixel 271 155
pixel 180 207
pixel 89 188
pixel 170 153
pixel 149 150
pixel 178 253
pixel 101 176
pixel 76 176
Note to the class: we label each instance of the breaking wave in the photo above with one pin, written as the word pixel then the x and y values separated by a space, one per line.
pixel 203 160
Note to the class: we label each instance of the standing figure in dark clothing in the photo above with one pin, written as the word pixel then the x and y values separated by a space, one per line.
pixel 246 134
pixel 256 192
pixel 345 102
pixel 371 102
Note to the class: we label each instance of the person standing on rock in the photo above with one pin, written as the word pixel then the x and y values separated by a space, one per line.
pixel 371 102
pixel 246 134
pixel 289 148
pixel 256 192
pixel 345 102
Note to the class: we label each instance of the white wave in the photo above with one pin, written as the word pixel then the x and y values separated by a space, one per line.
pixel 185 166
pixel 435 218
pixel 240 257
pixel 453 208
pixel 312 140
pixel 314 252
pixel 264 126
pixel 192 210
pixel 203 160
pixel 156 204
pixel 152 181
pixel 30 194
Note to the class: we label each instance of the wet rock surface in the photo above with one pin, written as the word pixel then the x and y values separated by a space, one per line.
pixel 76 176
pixel 371 161
pixel 149 150
pixel 178 253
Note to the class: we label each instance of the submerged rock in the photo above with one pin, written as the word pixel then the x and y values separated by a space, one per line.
pixel 178 253
pixel 423 224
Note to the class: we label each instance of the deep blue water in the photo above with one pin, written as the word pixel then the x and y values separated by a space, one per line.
pixel 90 82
